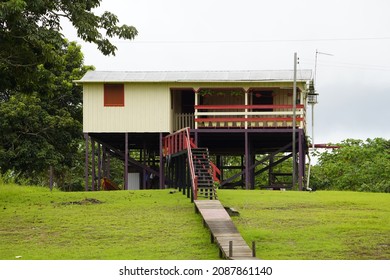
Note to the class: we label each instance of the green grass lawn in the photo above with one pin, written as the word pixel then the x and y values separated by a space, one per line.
pixel 38 224
pixel 316 226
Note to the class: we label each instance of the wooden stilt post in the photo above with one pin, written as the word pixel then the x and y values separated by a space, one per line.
pixel 93 164
pixel 247 162
pixel 270 171
pixel 126 171
pixel 86 160
pixel 161 169
pixel 252 159
pixel 183 173
pixel 176 174
pixel 144 173
pixel 230 249
pixel 221 168
pixel 243 168
pixel 104 161
pixel 99 167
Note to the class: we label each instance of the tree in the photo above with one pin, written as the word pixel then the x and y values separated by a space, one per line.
pixel 40 126
pixel 40 107
pixel 356 166
pixel 30 35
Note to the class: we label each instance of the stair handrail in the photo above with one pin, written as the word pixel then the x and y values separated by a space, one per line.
pixel 194 179
pixel 215 171
pixel 180 141
pixel 177 142
pixel 173 143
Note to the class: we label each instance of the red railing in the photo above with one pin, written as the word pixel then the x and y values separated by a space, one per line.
pixel 177 142
pixel 238 107
pixel 216 173
pixel 180 141
pixel 248 115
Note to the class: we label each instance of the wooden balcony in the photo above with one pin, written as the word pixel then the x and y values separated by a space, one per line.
pixel 242 116
pixel 248 116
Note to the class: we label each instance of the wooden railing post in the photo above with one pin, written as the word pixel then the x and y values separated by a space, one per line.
pixel 196 188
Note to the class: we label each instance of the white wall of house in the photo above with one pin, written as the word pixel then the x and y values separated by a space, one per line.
pixel 147 109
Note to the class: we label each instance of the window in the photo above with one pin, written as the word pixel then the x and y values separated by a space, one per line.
pixel 114 95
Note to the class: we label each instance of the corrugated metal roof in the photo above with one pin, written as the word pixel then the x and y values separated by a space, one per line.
pixel 194 76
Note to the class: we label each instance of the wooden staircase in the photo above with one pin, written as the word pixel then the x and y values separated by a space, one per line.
pixel 203 173
pixel 202 169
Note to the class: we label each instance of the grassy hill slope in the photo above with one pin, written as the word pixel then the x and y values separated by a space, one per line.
pixel 317 225
pixel 38 224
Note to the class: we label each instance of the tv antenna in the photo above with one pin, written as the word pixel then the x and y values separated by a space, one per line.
pixel 315 64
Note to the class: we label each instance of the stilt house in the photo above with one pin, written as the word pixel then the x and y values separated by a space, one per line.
pixel 179 127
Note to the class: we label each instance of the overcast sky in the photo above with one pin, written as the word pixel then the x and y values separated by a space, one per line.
pixel 353 83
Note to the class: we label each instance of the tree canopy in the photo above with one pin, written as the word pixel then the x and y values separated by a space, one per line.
pixel 40 106
pixel 41 125
pixel 30 34
pixel 356 166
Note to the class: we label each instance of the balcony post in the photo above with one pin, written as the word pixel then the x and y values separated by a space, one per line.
pixel 196 104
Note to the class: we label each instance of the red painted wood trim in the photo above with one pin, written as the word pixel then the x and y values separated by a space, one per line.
pixel 248 119
pixel 227 107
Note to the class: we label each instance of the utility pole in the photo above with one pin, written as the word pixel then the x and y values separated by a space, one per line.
pixel 294 119
pixel 313 95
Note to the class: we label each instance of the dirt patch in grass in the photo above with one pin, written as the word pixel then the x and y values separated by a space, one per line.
pixel 85 201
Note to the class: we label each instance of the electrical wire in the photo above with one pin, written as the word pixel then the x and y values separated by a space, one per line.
pixel 253 41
